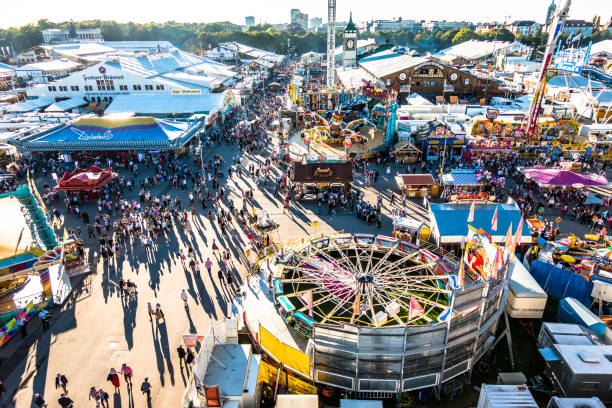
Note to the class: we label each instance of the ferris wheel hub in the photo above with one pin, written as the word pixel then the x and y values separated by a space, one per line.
pixel 365 278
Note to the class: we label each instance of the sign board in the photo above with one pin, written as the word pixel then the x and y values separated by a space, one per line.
pixel 190 340
pixel 572 59
pixel 186 91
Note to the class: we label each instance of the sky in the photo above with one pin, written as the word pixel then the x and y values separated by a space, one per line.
pixel 277 11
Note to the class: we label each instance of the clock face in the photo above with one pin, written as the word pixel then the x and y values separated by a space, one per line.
pixel 350 44
pixel 402 76
pixel 454 76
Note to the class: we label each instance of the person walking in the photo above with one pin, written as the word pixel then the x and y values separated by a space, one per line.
pixel 145 387
pixel 61 381
pixel 151 311
pixel 44 317
pixel 184 298
pixel 21 323
pixel 39 401
pixel 126 370
pixel 65 402
pixel 113 377
pixel 181 354
pixel 93 393
pixel 190 356
pixel 159 313
pixel 208 265
pixel 103 397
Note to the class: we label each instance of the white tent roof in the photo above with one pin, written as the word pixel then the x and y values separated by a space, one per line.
pixel 50 66
pixel 30 105
pixel 66 105
pixel 166 104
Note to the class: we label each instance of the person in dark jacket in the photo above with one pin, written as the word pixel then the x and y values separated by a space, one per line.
pixel 61 381
pixel 65 402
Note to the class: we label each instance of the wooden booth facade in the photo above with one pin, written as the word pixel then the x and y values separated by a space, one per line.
pixel 314 177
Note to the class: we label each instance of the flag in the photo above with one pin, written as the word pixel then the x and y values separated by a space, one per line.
pixel 496 264
pixel 471 216
pixel 356 304
pixel 65 235
pixel 415 308
pixel 577 38
pixel 517 238
pixel 307 298
pixel 509 236
pixel 494 220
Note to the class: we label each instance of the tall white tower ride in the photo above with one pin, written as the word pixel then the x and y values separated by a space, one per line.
pixel 331 43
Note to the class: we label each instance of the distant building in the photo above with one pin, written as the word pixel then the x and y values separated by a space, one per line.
pixel 486 27
pixel 174 73
pixel 575 26
pixel 446 25
pixel 550 12
pixel 524 27
pixel 294 13
pixel 394 25
pixel 249 21
pixel 315 22
pixel 54 35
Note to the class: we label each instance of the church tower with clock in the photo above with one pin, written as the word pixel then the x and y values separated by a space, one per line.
pixel 349 51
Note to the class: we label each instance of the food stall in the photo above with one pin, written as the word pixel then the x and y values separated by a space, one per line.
pixel 417 185
pixel 74 257
pixel 407 229
pixel 311 178
pixel 462 182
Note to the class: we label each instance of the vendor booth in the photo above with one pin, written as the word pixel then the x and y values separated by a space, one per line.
pixel 450 221
pixel 312 178
pixel 86 181
pixel 461 182
pixel 405 152
pixel 407 229
pixel 417 185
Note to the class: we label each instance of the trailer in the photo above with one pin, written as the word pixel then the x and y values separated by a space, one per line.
pixel 526 299
pixel 572 311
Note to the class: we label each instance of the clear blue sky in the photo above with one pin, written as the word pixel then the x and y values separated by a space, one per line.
pixel 277 11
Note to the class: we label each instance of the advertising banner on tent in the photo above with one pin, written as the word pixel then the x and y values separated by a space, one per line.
pixel 291 358
pixel 483 257
pixel 572 59
pixel 11 328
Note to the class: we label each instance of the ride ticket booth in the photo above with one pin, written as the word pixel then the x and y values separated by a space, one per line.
pixel 418 185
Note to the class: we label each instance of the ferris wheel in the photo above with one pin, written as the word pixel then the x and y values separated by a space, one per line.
pixel 365 284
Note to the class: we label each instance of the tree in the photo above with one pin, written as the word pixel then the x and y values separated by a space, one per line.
pixel 464 34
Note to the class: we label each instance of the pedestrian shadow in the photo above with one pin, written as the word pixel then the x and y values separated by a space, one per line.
pixel 165 349
pixel 117 400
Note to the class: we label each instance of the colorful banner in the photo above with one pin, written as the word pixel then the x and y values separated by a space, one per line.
pixel 291 358
pixel 482 256
pixel 11 328
pixel 486 128
pixel 268 373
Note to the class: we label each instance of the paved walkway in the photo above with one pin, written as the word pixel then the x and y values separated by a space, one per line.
pixel 99 330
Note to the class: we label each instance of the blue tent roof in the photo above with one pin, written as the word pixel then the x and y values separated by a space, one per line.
pixel 465 179
pixel 451 220
pixel 135 133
